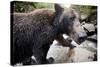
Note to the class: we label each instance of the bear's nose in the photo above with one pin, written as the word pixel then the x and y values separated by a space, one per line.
pixel 82 36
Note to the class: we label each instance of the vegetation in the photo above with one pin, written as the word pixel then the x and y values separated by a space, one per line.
pixel 89 11
pixel 20 6
pixel 83 9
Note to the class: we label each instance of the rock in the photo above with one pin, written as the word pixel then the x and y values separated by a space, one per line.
pixel 91 46
pixel 84 17
pixel 93 37
pixel 81 53
pixel 89 27
pixel 65 55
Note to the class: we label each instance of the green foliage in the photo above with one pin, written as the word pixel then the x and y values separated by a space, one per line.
pixel 85 9
pixel 44 5
pixel 20 6
pixel 88 12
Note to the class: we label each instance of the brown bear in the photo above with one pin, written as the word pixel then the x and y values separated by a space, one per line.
pixel 32 33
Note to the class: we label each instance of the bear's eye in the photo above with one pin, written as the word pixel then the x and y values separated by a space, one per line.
pixel 72 18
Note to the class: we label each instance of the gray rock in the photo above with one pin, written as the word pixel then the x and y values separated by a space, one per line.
pixel 84 16
pixel 89 27
pixel 65 55
pixel 89 45
pixel 93 37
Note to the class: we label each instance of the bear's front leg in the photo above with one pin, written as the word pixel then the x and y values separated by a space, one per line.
pixel 41 54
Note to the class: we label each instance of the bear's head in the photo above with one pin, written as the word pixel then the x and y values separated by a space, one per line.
pixel 67 22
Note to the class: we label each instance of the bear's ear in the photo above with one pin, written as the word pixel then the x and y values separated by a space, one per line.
pixel 58 8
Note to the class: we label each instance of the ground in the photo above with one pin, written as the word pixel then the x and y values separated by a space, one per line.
pixel 81 53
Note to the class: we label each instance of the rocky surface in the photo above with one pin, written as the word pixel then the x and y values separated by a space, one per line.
pixel 82 53
pixel 89 27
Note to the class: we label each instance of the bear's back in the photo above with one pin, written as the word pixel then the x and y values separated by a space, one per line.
pixel 36 16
